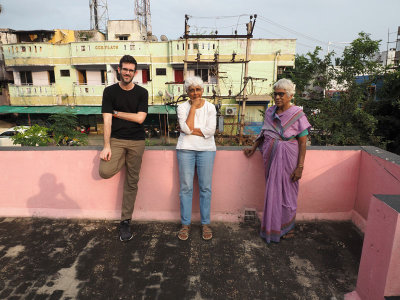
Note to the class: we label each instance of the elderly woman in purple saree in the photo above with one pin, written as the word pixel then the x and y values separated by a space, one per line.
pixel 282 142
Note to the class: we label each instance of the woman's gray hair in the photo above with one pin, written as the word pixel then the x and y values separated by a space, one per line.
pixel 287 85
pixel 193 81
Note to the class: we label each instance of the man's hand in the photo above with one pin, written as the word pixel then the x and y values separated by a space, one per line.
pixel 105 154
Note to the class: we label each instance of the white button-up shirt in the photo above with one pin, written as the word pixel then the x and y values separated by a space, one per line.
pixel 205 119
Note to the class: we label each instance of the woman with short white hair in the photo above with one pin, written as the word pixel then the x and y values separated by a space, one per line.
pixel 282 142
pixel 196 150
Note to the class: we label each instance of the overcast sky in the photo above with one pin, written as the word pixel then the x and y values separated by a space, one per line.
pixel 311 22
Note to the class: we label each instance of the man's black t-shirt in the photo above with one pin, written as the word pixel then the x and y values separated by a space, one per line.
pixel 132 101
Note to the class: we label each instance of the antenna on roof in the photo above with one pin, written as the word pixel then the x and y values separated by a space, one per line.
pixel 98 15
pixel 142 12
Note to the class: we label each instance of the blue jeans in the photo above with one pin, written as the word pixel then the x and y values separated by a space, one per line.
pixel 204 162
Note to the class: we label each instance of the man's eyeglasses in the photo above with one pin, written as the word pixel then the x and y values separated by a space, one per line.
pixel 280 94
pixel 128 70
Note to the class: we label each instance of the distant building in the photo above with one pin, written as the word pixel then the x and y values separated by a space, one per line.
pixel 387 58
pixel 71 68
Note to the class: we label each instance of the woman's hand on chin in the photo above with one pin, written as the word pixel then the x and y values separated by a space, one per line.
pixel 196 103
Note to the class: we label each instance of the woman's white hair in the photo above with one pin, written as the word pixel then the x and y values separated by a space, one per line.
pixel 287 85
pixel 193 81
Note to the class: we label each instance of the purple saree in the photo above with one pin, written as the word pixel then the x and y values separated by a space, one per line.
pixel 280 153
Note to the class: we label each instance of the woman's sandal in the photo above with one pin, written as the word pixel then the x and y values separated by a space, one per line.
pixel 183 233
pixel 288 235
pixel 206 232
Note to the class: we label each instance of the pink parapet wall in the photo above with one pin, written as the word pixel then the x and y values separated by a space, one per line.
pixel 379 271
pixel 64 183
pixel 377 176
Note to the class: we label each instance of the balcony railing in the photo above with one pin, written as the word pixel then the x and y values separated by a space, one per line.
pixel 88 90
pixel 178 89
pixel 31 90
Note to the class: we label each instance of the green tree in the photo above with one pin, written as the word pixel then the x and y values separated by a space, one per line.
pixel 387 110
pixel 64 130
pixel 341 120
pixel 33 136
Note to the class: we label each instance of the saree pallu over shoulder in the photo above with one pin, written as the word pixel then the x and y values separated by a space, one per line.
pixel 280 154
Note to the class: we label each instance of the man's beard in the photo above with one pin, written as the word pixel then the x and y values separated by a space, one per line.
pixel 127 79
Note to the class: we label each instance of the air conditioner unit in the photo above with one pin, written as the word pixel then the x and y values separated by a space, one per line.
pixel 230 111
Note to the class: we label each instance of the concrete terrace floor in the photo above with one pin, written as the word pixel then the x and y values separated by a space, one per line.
pixel 84 259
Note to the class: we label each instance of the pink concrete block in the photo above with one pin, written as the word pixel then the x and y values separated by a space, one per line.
pixel 377 176
pixel 379 266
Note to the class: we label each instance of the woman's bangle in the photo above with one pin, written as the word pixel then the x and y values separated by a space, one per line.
pixel 300 166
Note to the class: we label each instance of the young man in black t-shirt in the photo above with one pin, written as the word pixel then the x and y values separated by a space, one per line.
pixel 124 110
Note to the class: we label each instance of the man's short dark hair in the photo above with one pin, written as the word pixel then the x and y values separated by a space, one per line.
pixel 128 59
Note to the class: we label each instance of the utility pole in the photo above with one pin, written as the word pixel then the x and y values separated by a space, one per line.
pixel 250 28
pixel 186 36
pixel 248 36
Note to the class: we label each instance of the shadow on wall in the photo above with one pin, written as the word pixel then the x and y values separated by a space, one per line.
pixel 51 195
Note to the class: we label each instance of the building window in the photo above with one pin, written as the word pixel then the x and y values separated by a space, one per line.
pixel 103 76
pixel 132 46
pixel 82 79
pixel 23 49
pixel 178 76
pixel 203 73
pixel 177 46
pixel 123 38
pixel 161 71
pixel 188 46
pixel 26 77
pixel 52 78
pixel 83 48
pixel 64 73
pixel 196 46
pixel 145 76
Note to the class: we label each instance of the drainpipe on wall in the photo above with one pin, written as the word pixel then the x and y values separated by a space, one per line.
pixel 277 53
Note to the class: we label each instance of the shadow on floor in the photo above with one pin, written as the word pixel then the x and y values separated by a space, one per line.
pixel 80 259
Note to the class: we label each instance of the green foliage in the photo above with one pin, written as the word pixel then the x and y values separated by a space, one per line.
pixel 343 120
pixel 358 59
pixel 33 136
pixel 64 130
pixel 387 111
pixel 312 70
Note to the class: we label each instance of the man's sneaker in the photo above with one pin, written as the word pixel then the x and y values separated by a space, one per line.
pixel 125 231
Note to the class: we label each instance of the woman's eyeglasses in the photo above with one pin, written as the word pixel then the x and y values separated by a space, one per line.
pixel 280 94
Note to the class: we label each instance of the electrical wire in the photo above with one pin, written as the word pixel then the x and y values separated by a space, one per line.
pixel 283 37
pixel 213 27
pixel 219 17
pixel 297 33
